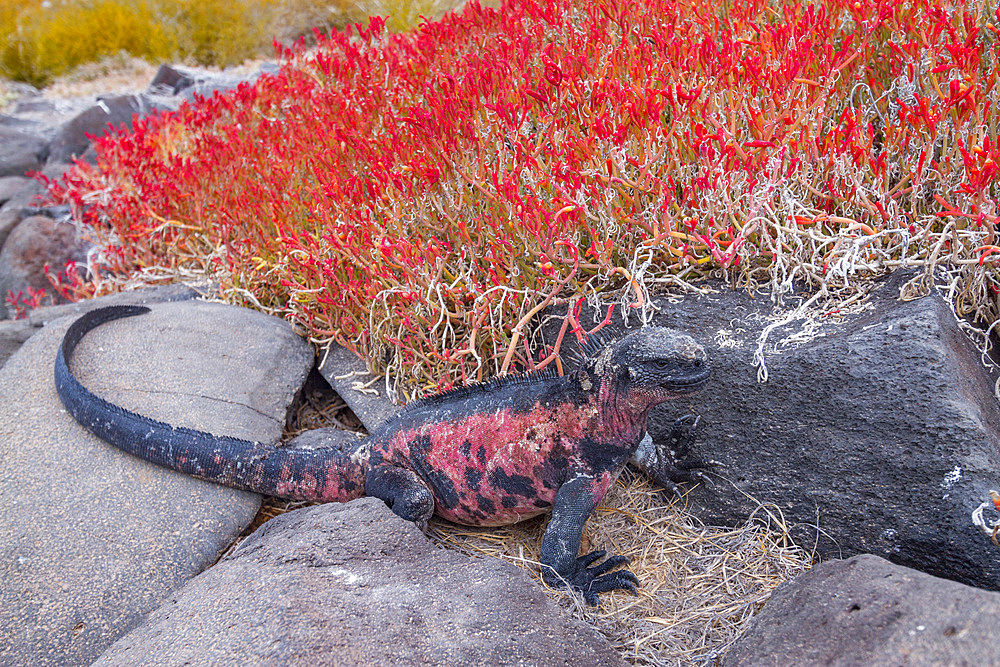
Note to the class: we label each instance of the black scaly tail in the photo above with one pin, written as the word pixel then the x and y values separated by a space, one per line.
pixel 324 474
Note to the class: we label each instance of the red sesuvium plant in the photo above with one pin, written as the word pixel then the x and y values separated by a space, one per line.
pixel 419 197
pixel 18 303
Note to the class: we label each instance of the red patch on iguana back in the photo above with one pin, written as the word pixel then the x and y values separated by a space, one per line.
pixel 500 467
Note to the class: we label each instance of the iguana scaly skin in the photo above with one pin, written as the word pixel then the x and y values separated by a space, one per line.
pixel 486 455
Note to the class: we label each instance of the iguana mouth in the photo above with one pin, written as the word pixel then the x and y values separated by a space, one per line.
pixel 689 383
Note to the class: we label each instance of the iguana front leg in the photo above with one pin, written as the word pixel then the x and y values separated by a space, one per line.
pixel 574 502
pixel 669 463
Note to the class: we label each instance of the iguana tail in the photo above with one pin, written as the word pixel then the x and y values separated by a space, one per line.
pixel 333 471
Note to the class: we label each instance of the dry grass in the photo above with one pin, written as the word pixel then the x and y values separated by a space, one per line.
pixel 120 73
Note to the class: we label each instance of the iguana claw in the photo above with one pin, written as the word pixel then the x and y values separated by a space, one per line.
pixel 590 581
pixel 682 435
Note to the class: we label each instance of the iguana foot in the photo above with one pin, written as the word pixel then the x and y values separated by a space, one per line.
pixel 682 435
pixel 590 581
pixel 669 463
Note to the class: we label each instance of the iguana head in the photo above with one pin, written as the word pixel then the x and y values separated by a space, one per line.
pixel 653 364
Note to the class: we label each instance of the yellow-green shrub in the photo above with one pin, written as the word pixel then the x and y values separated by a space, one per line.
pixel 41 40
pixel 220 32
pixel 402 14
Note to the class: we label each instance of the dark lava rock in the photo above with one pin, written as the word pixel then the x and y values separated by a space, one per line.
pixel 74 138
pixel 21 152
pixel 169 81
pixel 353 584
pixel 867 611
pixel 875 433
pixel 36 242
pixel 92 539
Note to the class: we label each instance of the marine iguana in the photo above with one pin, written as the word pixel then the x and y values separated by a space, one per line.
pixel 488 454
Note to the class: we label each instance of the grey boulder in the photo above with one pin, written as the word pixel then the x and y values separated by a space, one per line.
pixel 13 334
pixel 169 81
pixel 867 611
pixel 74 138
pixel 92 539
pixel 348 374
pixel 17 207
pixel 11 186
pixel 353 584
pixel 21 152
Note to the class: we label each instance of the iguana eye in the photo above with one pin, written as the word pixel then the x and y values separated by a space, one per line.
pixel 662 363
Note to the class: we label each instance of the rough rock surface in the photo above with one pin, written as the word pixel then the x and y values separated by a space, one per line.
pixel 881 429
pixel 20 152
pixel 109 113
pixel 14 333
pixel 867 611
pixel 10 186
pixel 92 539
pixel 203 84
pixel 38 241
pixel 16 208
pixel 41 116
pixel 347 374
pixel 353 584
pixel 169 81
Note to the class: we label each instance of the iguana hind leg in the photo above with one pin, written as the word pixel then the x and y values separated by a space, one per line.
pixel 561 566
pixel 403 491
